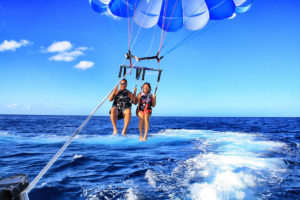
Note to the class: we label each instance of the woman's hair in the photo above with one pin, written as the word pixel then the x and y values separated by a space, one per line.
pixel 148 85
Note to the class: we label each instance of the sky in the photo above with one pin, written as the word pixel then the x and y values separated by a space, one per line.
pixel 62 58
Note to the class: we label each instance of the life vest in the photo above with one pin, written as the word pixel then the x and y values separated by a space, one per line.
pixel 145 103
pixel 122 100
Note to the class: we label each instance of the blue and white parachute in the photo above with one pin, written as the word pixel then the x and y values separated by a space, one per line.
pixel 172 15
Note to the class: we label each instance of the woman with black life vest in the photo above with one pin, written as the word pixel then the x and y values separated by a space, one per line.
pixel 121 107
pixel 144 109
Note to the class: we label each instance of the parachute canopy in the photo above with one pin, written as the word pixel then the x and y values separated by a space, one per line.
pixel 172 15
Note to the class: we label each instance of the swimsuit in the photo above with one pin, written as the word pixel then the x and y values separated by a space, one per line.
pixel 145 104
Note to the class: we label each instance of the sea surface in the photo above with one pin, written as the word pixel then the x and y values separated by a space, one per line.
pixel 184 158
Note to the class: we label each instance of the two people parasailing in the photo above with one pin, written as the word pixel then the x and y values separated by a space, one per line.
pixel 122 103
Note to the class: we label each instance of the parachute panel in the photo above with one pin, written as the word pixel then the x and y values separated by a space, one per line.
pixel 171 16
pixel 242 5
pixel 98 6
pixel 195 14
pixel 147 13
pixel 220 9
pixel 123 8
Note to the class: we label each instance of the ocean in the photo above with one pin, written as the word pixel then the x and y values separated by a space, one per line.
pixel 184 158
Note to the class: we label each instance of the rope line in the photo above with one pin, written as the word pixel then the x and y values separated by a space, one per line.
pixel 150 47
pixel 162 28
pixel 142 23
pixel 190 37
pixel 67 143
pixel 128 25
pixel 167 27
pixel 132 22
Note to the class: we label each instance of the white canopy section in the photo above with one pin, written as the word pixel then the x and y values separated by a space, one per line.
pixel 195 14
pixel 147 13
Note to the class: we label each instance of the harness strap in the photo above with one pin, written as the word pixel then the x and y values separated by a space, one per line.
pixel 158 79
pixel 120 72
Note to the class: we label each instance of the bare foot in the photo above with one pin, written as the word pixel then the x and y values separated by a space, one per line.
pixel 144 139
pixel 115 132
pixel 141 138
pixel 124 133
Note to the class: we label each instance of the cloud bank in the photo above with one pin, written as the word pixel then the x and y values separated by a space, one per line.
pixel 65 51
pixel 59 46
pixel 12 45
pixel 66 56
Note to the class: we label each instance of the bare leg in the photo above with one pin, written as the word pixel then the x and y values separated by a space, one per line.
pixel 147 117
pixel 141 125
pixel 113 118
pixel 127 116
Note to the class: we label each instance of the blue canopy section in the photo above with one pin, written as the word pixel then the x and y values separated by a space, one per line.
pixel 123 8
pixel 170 15
pixel 98 6
pixel 220 9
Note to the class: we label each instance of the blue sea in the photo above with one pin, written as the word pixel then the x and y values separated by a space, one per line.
pixel 184 158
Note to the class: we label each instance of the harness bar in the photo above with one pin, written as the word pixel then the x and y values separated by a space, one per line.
pixel 137 67
pixel 138 73
pixel 157 57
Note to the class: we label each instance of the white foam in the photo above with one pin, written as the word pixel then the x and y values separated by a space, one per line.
pixel 229 166
pixel 6 134
pixel 76 156
pixel 226 185
pixel 3 133
pixel 151 177
pixel 130 194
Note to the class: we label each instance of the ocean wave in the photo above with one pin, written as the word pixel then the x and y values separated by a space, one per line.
pixel 7 135
pixel 235 163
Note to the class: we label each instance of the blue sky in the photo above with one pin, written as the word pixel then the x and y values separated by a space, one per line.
pixel 60 57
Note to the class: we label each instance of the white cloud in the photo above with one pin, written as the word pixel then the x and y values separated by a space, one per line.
pixel 12 45
pixel 66 56
pixel 59 46
pixel 12 106
pixel 82 48
pixel 84 65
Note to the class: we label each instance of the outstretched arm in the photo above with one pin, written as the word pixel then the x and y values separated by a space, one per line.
pixel 113 95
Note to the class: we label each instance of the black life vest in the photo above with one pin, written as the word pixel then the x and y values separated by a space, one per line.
pixel 145 102
pixel 122 100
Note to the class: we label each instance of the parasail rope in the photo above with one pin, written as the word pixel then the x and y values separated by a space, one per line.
pixel 167 27
pixel 128 25
pixel 190 37
pixel 141 26
pixel 162 28
pixel 61 150
pixel 117 31
pixel 132 22
pixel 150 47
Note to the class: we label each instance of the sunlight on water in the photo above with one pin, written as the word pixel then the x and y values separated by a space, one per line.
pixel 227 165
pixel 232 168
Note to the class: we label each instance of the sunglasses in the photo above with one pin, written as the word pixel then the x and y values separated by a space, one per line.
pixel 123 84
